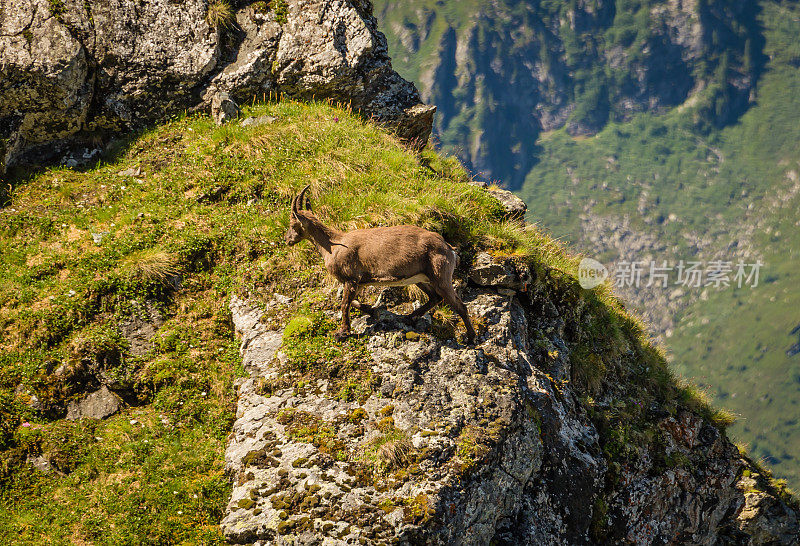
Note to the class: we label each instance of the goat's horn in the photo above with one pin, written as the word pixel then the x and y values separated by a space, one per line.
pixel 300 197
pixel 294 204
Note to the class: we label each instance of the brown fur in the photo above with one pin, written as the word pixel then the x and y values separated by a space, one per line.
pixel 382 256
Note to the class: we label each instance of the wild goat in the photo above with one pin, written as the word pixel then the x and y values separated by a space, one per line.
pixel 381 256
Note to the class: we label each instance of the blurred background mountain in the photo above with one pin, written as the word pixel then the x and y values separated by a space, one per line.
pixel 643 130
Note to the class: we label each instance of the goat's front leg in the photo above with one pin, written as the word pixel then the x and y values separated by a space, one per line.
pixel 348 294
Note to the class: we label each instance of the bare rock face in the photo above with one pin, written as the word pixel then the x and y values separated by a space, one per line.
pixel 223 108
pixel 97 405
pixel 492 443
pixel 763 519
pixel 75 72
pixel 141 326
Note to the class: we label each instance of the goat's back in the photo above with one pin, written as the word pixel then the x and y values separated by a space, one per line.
pixel 398 252
pixel 412 240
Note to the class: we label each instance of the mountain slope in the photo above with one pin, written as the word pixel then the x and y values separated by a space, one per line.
pixel 503 72
pixel 729 195
pixel 683 180
pixel 186 216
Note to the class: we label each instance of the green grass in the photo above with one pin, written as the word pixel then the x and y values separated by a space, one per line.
pixel 281 9
pixel 203 221
pixel 220 14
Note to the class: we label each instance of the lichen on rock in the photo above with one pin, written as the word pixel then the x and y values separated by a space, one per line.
pixel 498 442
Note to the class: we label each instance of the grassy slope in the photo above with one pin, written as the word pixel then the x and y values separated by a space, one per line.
pixel 734 343
pixel 154 472
pixel 210 206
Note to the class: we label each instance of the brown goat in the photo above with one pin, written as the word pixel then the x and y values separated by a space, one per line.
pixel 382 256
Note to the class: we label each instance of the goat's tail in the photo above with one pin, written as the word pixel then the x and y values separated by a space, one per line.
pixel 457 258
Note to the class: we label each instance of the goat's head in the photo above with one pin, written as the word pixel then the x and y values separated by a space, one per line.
pixel 297 215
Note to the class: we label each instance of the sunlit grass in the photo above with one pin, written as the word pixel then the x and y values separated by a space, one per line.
pixel 203 220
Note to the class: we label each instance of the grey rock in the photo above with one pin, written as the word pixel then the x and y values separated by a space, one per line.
pixel 132 171
pixel 223 108
pixel 503 448
pixel 98 405
pixel 258 344
pixel 141 326
pixel 99 68
pixel 40 463
pixel 260 120
pixel 453 376
pixel 515 207
pixel 763 518
pixel 488 271
pixel 25 394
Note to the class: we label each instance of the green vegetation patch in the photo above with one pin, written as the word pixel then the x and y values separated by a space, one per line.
pixel 82 251
pixel 312 429
pixel 281 9
pixel 220 14
pixel 57 8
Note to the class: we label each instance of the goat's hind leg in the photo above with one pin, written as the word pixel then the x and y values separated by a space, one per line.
pixel 433 300
pixel 361 306
pixel 348 294
pixel 448 293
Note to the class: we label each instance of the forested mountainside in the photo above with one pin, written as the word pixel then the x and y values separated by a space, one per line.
pixel 700 166
pixel 501 73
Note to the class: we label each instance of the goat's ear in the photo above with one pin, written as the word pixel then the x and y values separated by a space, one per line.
pixel 308 204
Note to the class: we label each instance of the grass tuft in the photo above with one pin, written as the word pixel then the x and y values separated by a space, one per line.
pixel 395 453
pixel 152 264
pixel 220 14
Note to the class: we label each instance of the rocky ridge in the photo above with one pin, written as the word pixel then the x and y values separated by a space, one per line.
pixel 511 441
pixel 74 74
